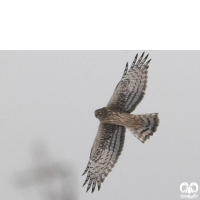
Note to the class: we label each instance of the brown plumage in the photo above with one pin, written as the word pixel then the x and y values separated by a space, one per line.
pixel 115 118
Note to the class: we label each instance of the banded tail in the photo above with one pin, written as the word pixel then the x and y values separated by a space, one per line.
pixel 149 125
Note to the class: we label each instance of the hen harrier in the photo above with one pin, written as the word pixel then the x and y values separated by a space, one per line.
pixel 115 118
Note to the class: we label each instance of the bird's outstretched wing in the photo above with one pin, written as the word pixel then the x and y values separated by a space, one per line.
pixel 106 149
pixel 131 88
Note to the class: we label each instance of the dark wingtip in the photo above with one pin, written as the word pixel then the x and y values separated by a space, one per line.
pixel 83 173
pixel 148 61
pixel 84 183
pixel 99 187
pixel 143 54
pixel 146 56
pixel 127 64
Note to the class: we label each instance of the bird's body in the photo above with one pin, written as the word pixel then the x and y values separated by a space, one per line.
pixel 115 118
pixel 123 119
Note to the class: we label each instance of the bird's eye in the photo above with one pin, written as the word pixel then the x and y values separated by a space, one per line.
pixel 99 113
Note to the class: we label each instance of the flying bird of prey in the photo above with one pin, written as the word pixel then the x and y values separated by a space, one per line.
pixel 115 118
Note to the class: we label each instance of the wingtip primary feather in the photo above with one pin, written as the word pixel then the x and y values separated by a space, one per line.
pixel 87 178
pixel 146 65
pixel 93 186
pixel 125 70
pixel 143 54
pixel 102 178
pixel 142 63
pixel 148 61
pixel 134 61
pixel 99 186
pixel 146 56
pixel 89 185
pixel 84 173
pixel 139 60
pixel 85 170
pixel 85 182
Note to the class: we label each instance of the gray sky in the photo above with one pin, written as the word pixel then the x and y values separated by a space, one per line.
pixel 49 97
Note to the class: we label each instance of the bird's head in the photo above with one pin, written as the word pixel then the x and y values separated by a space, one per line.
pixel 100 113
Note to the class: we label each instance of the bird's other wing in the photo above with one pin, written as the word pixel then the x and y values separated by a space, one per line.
pixel 131 88
pixel 105 152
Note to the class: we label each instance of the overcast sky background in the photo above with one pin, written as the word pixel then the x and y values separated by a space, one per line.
pixel 47 105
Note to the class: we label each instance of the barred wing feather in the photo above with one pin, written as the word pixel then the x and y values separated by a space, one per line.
pixel 105 152
pixel 131 89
